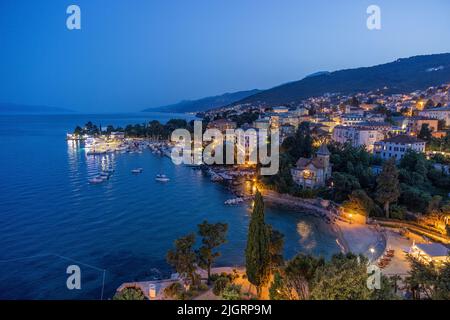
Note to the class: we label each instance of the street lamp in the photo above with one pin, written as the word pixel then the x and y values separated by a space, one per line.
pixel 372 251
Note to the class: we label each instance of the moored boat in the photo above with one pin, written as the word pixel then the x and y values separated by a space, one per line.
pixel 96 180
pixel 162 178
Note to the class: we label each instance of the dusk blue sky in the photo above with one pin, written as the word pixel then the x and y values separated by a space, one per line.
pixel 135 54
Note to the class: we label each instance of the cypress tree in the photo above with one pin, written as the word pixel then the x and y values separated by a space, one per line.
pixel 257 253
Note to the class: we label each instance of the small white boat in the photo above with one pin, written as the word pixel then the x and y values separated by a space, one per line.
pixel 96 180
pixel 162 178
pixel 105 175
pixel 232 202
pixel 137 171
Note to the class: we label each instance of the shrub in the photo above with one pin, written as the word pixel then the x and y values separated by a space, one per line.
pixel 174 290
pixel 220 284
pixel 232 292
pixel 214 277
pixel 305 193
pixel 398 212
pixel 202 287
pixel 192 293
pixel 130 294
pixel 360 203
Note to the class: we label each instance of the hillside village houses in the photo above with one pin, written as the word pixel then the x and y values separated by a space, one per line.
pixel 222 125
pixel 442 113
pixel 387 125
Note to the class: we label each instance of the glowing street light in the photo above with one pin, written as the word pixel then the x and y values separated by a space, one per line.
pixel 372 251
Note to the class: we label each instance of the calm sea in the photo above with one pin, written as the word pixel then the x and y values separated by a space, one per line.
pixel 51 217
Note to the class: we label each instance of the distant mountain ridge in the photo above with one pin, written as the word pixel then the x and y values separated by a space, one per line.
pixel 319 73
pixel 401 76
pixel 19 108
pixel 205 103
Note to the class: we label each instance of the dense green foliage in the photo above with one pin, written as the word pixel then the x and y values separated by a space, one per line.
pixel 440 144
pixel 416 184
pixel 299 145
pixel 154 129
pixel 344 277
pixel 232 292
pixel 420 181
pixel 425 133
pixel 360 203
pixel 282 182
pixel 353 161
pixel 278 289
pixel 220 285
pixel 174 290
pixel 427 281
pixel 276 244
pixel 129 294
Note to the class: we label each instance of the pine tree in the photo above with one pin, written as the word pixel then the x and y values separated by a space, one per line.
pixel 213 235
pixel 388 185
pixel 183 258
pixel 257 253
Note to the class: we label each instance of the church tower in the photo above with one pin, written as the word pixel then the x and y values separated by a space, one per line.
pixel 323 155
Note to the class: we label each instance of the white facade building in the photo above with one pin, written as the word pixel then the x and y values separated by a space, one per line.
pixel 357 136
pixel 396 147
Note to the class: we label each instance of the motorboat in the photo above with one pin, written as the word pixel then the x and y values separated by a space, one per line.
pixel 137 171
pixel 162 178
pixel 105 175
pixel 96 180
pixel 236 201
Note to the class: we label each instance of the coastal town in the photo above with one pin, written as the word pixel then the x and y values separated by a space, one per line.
pixel 375 166
pixel 225 159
